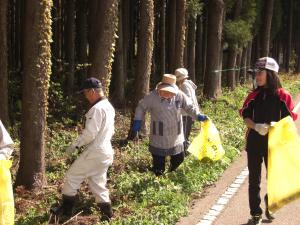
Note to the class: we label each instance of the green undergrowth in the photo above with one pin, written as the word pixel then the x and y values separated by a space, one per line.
pixel 138 196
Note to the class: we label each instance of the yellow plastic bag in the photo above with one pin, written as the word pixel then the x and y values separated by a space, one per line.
pixel 6 194
pixel 283 177
pixel 207 143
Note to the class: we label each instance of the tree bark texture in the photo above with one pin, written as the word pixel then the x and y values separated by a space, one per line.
pixel 118 65
pixel 70 45
pixel 231 65
pixel 162 39
pixel 179 34
pixel 199 50
pixel 3 63
pixel 81 40
pixel 288 43
pixel 243 71
pixel 266 28
pixel 170 36
pixel 212 87
pixel 145 49
pixel 106 26
pixel 36 75
pixel 191 45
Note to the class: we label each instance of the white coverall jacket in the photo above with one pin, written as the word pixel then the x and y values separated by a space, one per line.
pixel 94 161
pixel 5 142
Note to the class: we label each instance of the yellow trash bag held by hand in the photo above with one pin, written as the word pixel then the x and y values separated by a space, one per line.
pixel 207 143
pixel 283 176
pixel 6 194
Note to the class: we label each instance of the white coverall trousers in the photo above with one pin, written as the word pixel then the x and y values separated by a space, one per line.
pixel 94 170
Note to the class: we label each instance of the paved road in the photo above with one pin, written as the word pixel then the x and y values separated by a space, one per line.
pixel 236 211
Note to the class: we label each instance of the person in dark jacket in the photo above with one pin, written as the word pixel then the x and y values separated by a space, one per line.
pixel 267 103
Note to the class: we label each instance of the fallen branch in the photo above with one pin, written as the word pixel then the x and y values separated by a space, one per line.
pixel 72 218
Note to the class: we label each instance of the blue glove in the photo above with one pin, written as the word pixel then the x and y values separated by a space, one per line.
pixel 136 125
pixel 201 117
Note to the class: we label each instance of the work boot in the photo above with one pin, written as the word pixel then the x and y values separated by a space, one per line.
pixel 267 212
pixel 255 220
pixel 66 208
pixel 106 210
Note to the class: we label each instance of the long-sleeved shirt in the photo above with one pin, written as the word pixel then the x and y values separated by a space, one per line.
pixel 98 130
pixel 166 129
pixel 189 88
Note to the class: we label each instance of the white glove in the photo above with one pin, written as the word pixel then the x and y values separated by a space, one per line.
pixel 5 153
pixel 262 128
pixel 72 148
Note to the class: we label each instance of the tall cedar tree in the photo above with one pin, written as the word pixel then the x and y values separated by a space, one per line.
pixel 105 26
pixel 3 63
pixel 179 34
pixel 36 74
pixel 119 76
pixel 81 40
pixel 212 79
pixel 70 44
pixel 144 53
pixel 266 28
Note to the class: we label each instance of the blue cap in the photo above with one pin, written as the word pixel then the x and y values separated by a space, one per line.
pixel 89 83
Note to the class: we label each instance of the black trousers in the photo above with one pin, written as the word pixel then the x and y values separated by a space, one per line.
pixel 159 163
pixel 255 160
pixel 187 123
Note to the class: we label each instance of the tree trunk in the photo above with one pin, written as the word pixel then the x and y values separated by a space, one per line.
pixel 106 27
pixel 191 44
pixel 144 54
pixel 3 63
pixel 243 70
pixel 81 40
pixel 57 38
pixel 204 38
pixel 199 50
pixel 126 34
pixel 162 42
pixel 212 87
pixel 238 67
pixel 231 64
pixel 170 36
pixel 179 34
pixel 119 76
pixel 288 43
pixel 154 76
pixel 266 28
pixel 297 69
pixel 36 75
pixel 70 44
pixel 145 49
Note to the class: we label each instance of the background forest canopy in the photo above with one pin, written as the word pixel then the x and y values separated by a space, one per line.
pixel 49 47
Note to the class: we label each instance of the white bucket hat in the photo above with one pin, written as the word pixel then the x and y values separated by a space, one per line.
pixel 181 74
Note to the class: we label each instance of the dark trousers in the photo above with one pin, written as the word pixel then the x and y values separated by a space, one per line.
pixel 159 163
pixel 255 160
pixel 187 123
